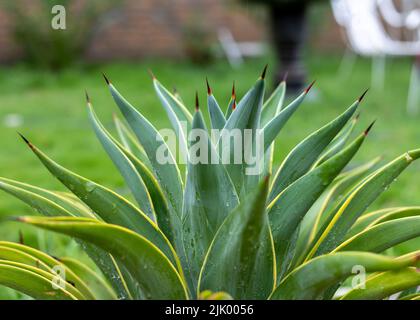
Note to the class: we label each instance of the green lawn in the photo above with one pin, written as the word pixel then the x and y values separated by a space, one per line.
pixel 54 114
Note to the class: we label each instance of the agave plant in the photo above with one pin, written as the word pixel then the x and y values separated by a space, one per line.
pixel 211 231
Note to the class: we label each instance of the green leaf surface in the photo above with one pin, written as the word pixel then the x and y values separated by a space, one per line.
pixel 31 283
pixel 131 177
pixel 383 235
pixel 241 259
pixel 303 156
pixel 168 173
pixel 63 199
pixel 155 274
pixel 312 279
pixel 385 284
pixel 246 116
pixel 108 205
pixel 353 205
pixel 379 216
pixel 217 118
pixel 289 207
pixel 129 141
pixel 179 116
pixel 101 289
pixel 19 253
pixel 273 104
pixel 164 218
pixel 320 210
pixel 208 198
pixel 338 142
pixel 277 122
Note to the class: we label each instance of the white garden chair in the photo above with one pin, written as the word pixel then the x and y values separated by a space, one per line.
pixel 236 51
pixel 367 36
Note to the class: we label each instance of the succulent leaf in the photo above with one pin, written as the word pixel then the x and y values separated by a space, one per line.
pixel 382 285
pixel 154 272
pixel 303 156
pixel 313 278
pixel 241 258
pixel 209 197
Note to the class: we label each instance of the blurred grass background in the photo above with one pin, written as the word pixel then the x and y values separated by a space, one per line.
pixel 52 107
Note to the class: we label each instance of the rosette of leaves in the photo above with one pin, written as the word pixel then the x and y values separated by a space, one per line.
pixel 210 230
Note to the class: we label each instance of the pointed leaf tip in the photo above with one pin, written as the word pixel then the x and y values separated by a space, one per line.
pixel 87 97
pixel 286 74
pixel 370 127
pixel 309 87
pixel 21 240
pixel 151 74
pixel 264 71
pixel 363 95
pixel 233 91
pixel 26 140
pixel 208 87
pixel 106 79
pixel 197 104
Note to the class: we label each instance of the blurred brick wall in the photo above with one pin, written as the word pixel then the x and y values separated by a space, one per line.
pixel 8 49
pixel 149 28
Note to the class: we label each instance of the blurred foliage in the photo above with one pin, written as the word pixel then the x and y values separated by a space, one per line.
pixel 48 48
pixel 197 42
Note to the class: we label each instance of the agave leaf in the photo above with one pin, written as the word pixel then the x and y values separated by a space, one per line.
pixel 132 178
pixel 171 103
pixel 407 292
pixel 412 296
pixel 369 220
pixel 353 205
pixel 231 104
pixel 273 104
pixel 49 208
pixel 177 96
pixel 178 115
pixel 383 235
pixel 208 198
pixel 271 108
pixel 277 121
pixel 108 205
pixel 53 277
pixel 382 285
pixel 167 174
pixel 160 203
pixel 288 209
pixel 31 283
pixel 155 274
pixel 302 157
pixel 338 142
pixel 241 258
pixel 101 289
pixel 313 278
pixel 344 183
pixel 61 199
pixel 320 209
pixel 209 295
pixel 19 253
pixel 246 116
pixel 39 203
pixel 217 118
pixel 129 141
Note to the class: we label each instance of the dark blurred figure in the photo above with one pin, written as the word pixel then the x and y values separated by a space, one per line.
pixel 288 26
